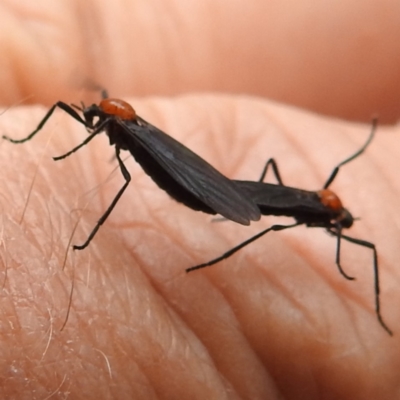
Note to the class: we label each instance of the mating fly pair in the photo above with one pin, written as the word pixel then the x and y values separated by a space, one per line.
pixel 192 181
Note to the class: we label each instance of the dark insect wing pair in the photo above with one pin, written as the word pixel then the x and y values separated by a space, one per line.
pixel 188 178
pixel 173 167
pixel 320 209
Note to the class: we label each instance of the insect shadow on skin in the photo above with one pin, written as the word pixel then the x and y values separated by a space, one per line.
pixel 319 209
pixel 184 175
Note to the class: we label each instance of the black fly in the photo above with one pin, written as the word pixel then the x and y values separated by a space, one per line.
pixel 184 175
pixel 320 209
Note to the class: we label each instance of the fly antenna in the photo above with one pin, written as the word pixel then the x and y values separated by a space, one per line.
pixel 355 155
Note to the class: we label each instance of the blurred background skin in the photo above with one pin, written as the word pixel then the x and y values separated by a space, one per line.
pixel 285 325
pixel 339 58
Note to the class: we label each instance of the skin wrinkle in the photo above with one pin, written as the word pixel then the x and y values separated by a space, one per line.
pixel 281 288
pixel 171 304
pixel 242 331
pixel 210 360
pixel 239 327
pixel 290 299
pixel 160 396
pixel 218 288
pixel 216 365
pixel 247 335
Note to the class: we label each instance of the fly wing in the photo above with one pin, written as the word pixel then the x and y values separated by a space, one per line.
pixel 193 173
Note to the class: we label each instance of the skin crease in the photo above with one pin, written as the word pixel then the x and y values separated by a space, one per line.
pixel 274 321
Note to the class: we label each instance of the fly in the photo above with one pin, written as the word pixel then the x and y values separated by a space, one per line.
pixel 184 175
pixel 320 209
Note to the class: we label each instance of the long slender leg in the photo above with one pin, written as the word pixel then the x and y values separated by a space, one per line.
pixel 371 246
pixel 100 222
pixel 86 141
pixel 355 155
pixel 68 109
pixel 241 245
pixel 339 236
pixel 271 162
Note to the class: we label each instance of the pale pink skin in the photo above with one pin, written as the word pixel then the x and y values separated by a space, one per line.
pixel 276 320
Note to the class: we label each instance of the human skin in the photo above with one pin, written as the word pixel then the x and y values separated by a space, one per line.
pixel 121 319
pixel 339 58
